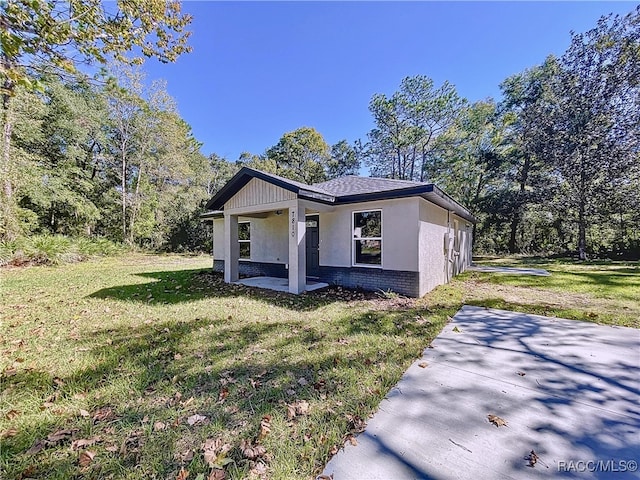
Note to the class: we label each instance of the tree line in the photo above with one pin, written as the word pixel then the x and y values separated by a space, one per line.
pixel 551 167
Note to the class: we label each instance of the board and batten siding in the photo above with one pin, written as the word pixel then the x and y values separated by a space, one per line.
pixel 258 192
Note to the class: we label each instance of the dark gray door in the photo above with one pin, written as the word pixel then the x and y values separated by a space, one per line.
pixel 313 243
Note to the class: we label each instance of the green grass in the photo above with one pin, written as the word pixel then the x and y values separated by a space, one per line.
pixel 124 351
pixel 156 340
pixel 600 291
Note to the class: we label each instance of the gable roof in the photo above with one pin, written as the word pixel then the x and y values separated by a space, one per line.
pixel 343 190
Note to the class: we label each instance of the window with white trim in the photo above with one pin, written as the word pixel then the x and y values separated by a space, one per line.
pixel 244 239
pixel 367 238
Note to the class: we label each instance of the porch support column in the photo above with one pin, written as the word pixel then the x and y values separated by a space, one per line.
pixel 297 249
pixel 231 248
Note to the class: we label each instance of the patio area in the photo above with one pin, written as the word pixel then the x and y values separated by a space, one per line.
pixel 278 284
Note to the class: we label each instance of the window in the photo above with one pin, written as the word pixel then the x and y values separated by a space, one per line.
pixel 367 238
pixel 244 238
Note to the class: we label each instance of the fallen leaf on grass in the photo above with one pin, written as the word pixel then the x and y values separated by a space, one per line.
pixel 112 448
pixel 159 426
pixel 86 457
pixel 103 414
pixel 84 413
pixel 214 451
pixel 11 414
pixel 259 469
pixel 84 442
pixel 36 447
pixel 12 432
pixel 297 408
pixel 182 474
pixel 217 474
pixel 251 451
pixel 196 419
pixel 224 393
pixel 265 427
pixel 356 423
pixel 497 421
pixel 59 436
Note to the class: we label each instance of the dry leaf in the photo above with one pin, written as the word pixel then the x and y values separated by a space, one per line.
pixel 86 457
pixel 84 413
pixel 224 392
pixel 325 477
pixel 84 442
pixel 497 421
pixel 356 423
pixel 259 469
pixel 353 440
pixel 456 329
pixel 196 419
pixel 251 451
pixel 265 427
pixel 214 451
pixel 11 414
pixel 103 414
pixel 36 447
pixel 159 426
pixel 533 459
pixel 12 432
pixel 217 474
pixel 423 364
pixel 182 474
pixel 59 436
pixel 112 448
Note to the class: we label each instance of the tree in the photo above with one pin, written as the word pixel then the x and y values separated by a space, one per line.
pixel 408 125
pixel 590 124
pixel 344 161
pixel 301 155
pixel 56 36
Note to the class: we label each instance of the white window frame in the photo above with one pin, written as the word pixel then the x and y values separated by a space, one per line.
pixel 354 239
pixel 245 241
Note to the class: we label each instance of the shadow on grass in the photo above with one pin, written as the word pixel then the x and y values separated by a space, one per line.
pixel 173 287
pixel 230 371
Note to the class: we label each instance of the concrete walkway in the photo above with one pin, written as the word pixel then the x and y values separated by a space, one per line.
pixel 510 270
pixel 278 284
pixel 568 390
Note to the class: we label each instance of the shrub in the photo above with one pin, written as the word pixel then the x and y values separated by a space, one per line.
pixel 54 250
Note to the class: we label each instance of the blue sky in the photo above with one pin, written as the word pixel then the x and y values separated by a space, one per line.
pixel 260 69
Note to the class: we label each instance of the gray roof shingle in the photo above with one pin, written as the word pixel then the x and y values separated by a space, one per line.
pixel 352 185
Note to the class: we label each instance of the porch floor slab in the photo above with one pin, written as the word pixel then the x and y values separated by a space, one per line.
pixel 278 284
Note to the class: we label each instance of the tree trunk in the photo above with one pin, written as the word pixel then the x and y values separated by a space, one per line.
pixel 123 185
pixel 582 231
pixel 9 227
pixel 135 206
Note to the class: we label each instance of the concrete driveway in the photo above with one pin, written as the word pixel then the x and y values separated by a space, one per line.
pixel 569 391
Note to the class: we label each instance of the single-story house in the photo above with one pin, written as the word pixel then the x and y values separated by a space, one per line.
pixel 372 233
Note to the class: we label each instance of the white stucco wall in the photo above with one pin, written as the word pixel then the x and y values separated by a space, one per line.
pixel 269 241
pixel 399 233
pixel 431 239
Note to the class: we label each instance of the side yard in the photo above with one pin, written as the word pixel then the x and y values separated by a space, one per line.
pixel 146 366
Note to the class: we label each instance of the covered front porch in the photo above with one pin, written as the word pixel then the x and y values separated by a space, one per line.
pixel 286 233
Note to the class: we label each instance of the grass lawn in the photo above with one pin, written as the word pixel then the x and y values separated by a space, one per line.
pixel 148 366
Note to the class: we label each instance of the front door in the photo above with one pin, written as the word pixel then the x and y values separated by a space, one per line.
pixel 313 244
